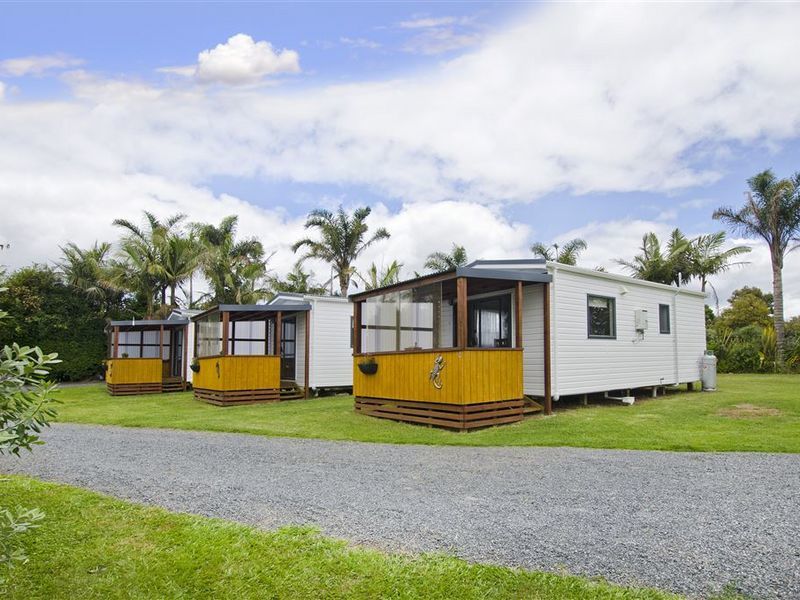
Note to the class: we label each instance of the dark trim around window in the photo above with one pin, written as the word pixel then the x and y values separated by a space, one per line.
pixel 664 325
pixel 612 305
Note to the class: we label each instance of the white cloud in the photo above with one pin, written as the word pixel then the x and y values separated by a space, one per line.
pixel 428 22
pixel 36 65
pixel 421 228
pixel 698 203
pixel 240 60
pixel 437 35
pixel 440 40
pixel 359 43
pixel 2 91
pixel 599 98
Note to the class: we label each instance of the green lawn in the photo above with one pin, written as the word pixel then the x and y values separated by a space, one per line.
pixel 755 413
pixel 93 546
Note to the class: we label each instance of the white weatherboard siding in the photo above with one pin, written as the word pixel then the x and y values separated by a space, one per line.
pixel 691 334
pixel 331 352
pixel 300 349
pixel 188 347
pixel 584 365
pixel 533 340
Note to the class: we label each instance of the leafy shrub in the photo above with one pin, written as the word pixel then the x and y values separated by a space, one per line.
pixel 26 406
pixel 46 313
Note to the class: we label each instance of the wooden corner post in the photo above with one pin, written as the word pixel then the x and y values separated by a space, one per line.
pixel 548 392
pixel 518 315
pixel 278 332
pixel 461 312
pixel 356 328
pixel 225 325
pixel 161 342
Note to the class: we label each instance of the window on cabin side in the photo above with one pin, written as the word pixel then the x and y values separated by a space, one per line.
pixel 663 318
pixel 601 317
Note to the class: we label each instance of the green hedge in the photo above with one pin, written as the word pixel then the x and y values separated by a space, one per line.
pixel 46 313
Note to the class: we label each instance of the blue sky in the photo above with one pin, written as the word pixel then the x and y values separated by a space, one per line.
pixel 491 124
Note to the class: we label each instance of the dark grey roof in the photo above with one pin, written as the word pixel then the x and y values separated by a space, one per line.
pixel 531 275
pixel 150 323
pixel 509 261
pixel 256 308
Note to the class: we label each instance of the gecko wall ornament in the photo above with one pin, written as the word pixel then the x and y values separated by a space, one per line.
pixel 435 376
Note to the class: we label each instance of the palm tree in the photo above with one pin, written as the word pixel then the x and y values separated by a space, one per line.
pixel 567 255
pixel 708 258
pixel 84 268
pixel 670 266
pixel 297 281
pixel 235 269
pixel 141 257
pixel 380 278
pixel 772 213
pixel 180 258
pixel 439 262
pixel 343 239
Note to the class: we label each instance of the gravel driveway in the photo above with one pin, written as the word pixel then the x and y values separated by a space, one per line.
pixel 689 523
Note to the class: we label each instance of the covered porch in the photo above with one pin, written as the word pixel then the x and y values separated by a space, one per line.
pixel 249 353
pixel 146 357
pixel 447 349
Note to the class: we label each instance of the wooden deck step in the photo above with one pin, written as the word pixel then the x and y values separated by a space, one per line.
pixel 531 406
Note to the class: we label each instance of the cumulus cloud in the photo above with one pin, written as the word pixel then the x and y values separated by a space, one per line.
pixel 240 60
pixel 428 22
pixel 599 98
pixel 36 65
pixel 2 91
pixel 436 35
pixel 359 43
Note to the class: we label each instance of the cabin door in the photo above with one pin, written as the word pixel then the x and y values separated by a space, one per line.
pixel 489 322
pixel 176 353
pixel 288 348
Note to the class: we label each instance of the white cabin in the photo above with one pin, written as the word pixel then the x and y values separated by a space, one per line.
pixel 644 334
pixel 330 339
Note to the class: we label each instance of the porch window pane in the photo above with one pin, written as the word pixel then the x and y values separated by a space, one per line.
pixel 209 336
pixel 404 320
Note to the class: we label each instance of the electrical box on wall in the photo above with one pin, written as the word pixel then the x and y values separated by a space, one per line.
pixel 640 320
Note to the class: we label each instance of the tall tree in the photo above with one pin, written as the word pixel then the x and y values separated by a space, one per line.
pixel 139 266
pixel 180 258
pixel 297 281
pixel 772 213
pixel 376 278
pixel 236 270
pixel 439 262
pixel 654 263
pixel 343 238
pixel 567 254
pixel 708 257
pixel 83 268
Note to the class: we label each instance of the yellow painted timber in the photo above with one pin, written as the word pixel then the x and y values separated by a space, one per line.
pixel 133 370
pixel 230 373
pixel 468 377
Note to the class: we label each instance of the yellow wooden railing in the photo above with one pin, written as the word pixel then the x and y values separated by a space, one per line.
pixel 121 371
pixel 229 373
pixel 467 376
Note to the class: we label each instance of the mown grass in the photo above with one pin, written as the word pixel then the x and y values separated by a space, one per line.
pixel 93 546
pixel 682 421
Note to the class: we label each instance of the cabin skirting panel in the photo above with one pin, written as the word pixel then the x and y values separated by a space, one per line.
pixel 237 397
pixel 133 389
pixel 449 416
